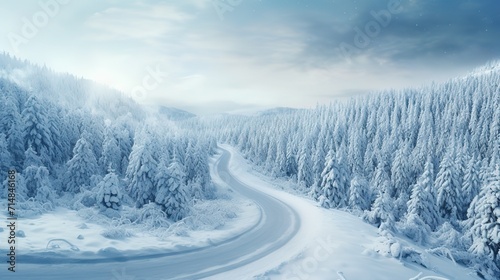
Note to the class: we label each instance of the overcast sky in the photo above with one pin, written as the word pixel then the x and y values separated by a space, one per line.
pixel 211 56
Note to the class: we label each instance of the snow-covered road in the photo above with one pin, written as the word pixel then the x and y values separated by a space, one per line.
pixel 278 225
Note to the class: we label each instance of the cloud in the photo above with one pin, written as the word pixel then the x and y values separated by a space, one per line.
pixel 425 29
pixel 264 53
pixel 136 21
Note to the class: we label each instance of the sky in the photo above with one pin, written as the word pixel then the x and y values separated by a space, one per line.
pixel 212 56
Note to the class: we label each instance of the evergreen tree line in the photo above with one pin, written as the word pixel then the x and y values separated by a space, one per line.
pixel 413 161
pixel 59 152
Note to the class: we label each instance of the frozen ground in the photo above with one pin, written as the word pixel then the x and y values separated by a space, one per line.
pixel 285 237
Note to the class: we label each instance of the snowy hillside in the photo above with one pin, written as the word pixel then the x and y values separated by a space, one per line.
pixel 66 90
pixel 175 114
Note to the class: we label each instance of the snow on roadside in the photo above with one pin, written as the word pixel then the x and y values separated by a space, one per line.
pixel 335 245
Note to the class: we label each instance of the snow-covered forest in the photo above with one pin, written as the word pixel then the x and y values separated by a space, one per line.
pixel 423 163
pixel 77 144
pixel 419 163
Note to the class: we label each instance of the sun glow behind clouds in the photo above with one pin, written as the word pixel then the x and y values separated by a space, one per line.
pixel 262 53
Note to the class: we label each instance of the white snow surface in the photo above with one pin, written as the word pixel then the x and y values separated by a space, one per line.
pixel 333 244
pixel 329 244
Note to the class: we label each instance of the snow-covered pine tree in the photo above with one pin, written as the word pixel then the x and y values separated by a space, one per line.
pixel 45 192
pixel 401 179
pixel 172 193
pixel 471 183
pixel 5 156
pixel 449 197
pixel 202 172
pixel 38 183
pixel 60 152
pixel 381 214
pixel 109 195
pixel 279 168
pixel 422 202
pixel 189 164
pixel 161 179
pixel 357 148
pixel 36 129
pixel 304 173
pixel 485 225
pixel 15 140
pixel 334 190
pixel 124 140
pixel 7 113
pixel 291 162
pixel 318 162
pixel 381 181
pixel 31 158
pixel 81 166
pixel 141 171
pixel 359 195
pixel 111 154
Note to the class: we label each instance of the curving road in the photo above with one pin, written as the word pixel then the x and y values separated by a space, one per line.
pixel 278 224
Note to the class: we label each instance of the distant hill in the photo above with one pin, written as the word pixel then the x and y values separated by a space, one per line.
pixel 278 110
pixel 175 114
pixel 76 93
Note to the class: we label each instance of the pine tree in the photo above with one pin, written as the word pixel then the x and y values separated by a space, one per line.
pixel 8 112
pixel 141 172
pixel 36 129
pixel 304 173
pixel 401 179
pixel 291 162
pixel 471 183
pixel 279 168
pixel 189 163
pixel 485 229
pixel 111 154
pixel 359 193
pixel 44 189
pixel 201 179
pixel 109 195
pixel 81 166
pixel 60 142
pixel 422 202
pixel 334 189
pixel 15 140
pixel 172 193
pixel 381 180
pixel 5 156
pixel 31 158
pixel 381 214
pixel 448 190
pixel 318 163
pixel 37 182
